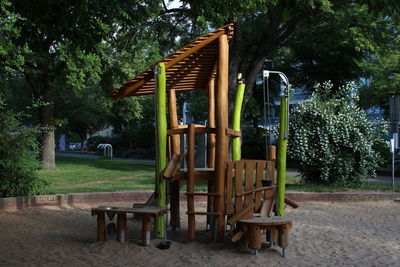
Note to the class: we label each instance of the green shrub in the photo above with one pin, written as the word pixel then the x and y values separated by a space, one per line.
pixel 331 139
pixel 18 164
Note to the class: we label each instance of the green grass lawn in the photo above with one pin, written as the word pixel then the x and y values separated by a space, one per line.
pixel 76 175
pixel 71 172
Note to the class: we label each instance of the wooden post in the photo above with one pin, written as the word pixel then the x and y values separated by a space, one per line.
pixel 146 230
pixel 161 145
pixel 271 152
pixel 121 227
pixel 176 148
pixel 255 237
pixel 101 226
pixel 237 112
pixel 221 155
pixel 211 143
pixel 211 123
pixel 191 182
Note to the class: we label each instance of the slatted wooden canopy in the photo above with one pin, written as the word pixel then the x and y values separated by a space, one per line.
pixel 189 68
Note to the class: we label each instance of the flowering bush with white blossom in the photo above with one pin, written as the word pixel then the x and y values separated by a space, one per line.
pixel 331 139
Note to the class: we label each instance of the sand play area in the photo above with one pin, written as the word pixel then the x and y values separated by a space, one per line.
pixel 324 234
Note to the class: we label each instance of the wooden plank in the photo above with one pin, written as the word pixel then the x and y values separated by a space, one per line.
pixel 228 199
pixel 249 181
pixel 244 214
pixel 238 185
pixel 191 181
pixel 271 172
pixel 261 165
pixel 267 206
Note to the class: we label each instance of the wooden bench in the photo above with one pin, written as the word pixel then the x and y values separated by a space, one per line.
pixel 146 212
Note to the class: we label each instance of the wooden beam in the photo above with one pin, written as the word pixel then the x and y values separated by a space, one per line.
pixel 233 133
pixel 221 153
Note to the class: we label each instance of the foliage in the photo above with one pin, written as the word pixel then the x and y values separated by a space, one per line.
pixel 253 143
pixel 332 141
pixel 18 166
pixel 383 67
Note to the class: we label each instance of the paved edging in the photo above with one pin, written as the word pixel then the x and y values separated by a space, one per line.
pixel 14 203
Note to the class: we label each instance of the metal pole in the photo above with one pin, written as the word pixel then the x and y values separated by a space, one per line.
pixel 393 169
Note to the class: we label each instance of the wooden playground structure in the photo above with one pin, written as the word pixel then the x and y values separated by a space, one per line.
pixel 241 193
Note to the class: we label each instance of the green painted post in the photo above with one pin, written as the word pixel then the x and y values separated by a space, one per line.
pixel 161 145
pixel 237 111
pixel 281 157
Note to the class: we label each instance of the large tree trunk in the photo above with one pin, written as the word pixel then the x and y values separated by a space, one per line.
pixel 46 113
pixel 43 91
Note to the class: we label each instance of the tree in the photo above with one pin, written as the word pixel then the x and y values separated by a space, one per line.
pixel 382 68
pixel 49 41
pixel 331 139
pixel 263 27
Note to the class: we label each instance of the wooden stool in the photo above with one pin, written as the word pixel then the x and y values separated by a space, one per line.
pixel 252 228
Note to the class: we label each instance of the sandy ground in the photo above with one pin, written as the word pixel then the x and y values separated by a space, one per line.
pixel 324 234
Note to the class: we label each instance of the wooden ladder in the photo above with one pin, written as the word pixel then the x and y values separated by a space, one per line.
pixel 191 177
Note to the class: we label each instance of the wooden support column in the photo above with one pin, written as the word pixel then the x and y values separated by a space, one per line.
pixel 175 148
pixel 211 143
pixel 191 182
pixel 211 123
pixel 221 153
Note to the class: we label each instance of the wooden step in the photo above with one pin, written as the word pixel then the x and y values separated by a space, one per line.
pixel 203 213
pixel 202 194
